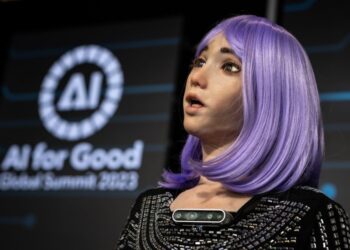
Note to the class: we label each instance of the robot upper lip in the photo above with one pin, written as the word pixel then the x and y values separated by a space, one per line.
pixel 192 98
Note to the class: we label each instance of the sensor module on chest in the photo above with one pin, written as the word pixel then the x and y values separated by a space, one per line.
pixel 208 217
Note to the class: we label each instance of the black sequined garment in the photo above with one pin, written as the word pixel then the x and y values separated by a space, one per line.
pixel 301 218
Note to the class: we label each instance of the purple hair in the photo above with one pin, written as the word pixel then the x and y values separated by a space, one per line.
pixel 281 143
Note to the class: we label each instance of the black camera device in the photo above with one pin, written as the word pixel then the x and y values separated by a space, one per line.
pixel 205 217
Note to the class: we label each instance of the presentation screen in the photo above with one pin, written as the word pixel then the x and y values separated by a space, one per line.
pixel 84 120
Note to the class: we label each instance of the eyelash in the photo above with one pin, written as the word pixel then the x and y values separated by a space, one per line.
pixel 195 63
pixel 198 62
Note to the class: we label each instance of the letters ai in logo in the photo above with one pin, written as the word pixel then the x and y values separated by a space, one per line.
pixel 81 92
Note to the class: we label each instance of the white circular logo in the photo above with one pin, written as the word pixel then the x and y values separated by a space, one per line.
pixel 78 95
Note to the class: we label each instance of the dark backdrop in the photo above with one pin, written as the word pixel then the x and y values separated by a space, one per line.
pixel 154 44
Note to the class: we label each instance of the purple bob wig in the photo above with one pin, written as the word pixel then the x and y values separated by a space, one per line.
pixel 281 143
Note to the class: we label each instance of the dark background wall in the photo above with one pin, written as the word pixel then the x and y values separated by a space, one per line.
pixel 81 219
pixel 322 28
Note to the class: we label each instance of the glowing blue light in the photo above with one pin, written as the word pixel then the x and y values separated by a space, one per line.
pixel 329 189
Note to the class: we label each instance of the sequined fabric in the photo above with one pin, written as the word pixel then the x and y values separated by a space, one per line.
pixel 301 218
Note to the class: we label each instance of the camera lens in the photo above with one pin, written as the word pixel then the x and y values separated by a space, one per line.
pixel 192 216
pixel 219 216
pixel 178 215
pixel 210 216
